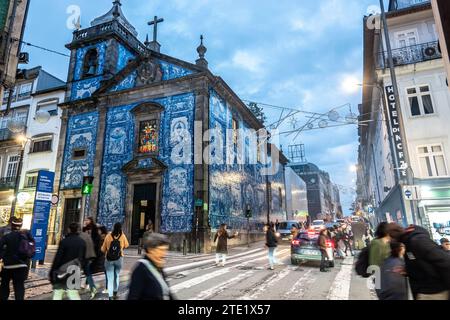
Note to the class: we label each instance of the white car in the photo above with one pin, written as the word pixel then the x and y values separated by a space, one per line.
pixel 318 225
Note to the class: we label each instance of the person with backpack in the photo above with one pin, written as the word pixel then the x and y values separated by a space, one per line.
pixel 71 253
pixel 393 275
pixel 271 243
pixel 148 281
pixel 16 250
pixel 113 247
pixel 426 263
pixel 222 245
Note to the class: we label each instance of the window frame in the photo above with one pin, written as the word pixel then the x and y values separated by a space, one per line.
pixel 41 139
pixel 9 162
pixel 46 103
pixel 431 156
pixel 419 95
pixel 26 180
pixel 84 70
pixel 20 95
pixel 73 157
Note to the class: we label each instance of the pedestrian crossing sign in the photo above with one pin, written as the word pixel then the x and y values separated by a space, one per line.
pixel 87 185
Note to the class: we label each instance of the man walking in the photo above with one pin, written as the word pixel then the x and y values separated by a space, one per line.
pixel 16 251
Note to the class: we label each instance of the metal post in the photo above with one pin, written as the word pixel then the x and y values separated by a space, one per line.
pixel 82 211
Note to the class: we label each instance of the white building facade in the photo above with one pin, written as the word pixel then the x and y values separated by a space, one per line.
pixel 424 103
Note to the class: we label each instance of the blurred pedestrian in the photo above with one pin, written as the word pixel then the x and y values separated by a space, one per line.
pixel 6 229
pixel 346 239
pixel 271 244
pixel 103 231
pixel 380 248
pixel 393 274
pixel 71 253
pixel 113 247
pixel 89 258
pixel 148 229
pixel 222 244
pixel 426 263
pixel 148 281
pixel 445 245
pixel 322 242
pixel 16 250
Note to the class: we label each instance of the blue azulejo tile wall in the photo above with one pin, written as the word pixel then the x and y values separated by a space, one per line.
pixel 81 135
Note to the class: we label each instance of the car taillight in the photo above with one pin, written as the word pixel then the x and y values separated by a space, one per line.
pixel 295 242
pixel 329 244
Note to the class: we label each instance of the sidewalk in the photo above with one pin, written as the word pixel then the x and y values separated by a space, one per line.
pixel 39 288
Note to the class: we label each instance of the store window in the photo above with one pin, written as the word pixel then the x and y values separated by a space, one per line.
pixel 148 136
pixel 432 161
pixel 420 102
pixel 31 180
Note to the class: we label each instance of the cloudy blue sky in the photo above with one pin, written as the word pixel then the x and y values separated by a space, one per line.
pixel 290 53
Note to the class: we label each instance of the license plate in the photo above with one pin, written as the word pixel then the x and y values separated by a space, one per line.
pixel 285 238
pixel 310 252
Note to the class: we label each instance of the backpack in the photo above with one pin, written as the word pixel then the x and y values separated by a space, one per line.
pixel 362 263
pixel 27 247
pixel 114 251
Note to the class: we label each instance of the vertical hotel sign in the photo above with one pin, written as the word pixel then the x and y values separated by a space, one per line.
pixel 394 110
pixel 41 211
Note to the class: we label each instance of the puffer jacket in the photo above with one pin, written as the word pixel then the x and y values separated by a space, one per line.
pixel 427 265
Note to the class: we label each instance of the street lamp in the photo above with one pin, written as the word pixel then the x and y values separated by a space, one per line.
pixel 22 140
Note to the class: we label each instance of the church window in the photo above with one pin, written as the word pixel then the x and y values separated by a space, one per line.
pixel 235 125
pixel 79 154
pixel 90 65
pixel 148 136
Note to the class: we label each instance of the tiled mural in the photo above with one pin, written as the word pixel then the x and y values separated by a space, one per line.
pixel 81 134
pixel 177 194
pixel 232 187
pixel 124 56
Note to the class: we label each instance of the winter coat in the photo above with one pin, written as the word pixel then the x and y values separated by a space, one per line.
pixel 378 252
pixel 70 248
pixel 426 263
pixel 90 248
pixel 322 242
pixel 271 239
pixel 144 285
pixel 393 280
pixel 222 244
pixel 9 247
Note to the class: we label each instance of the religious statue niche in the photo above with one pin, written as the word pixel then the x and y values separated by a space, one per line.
pixel 90 64
pixel 148 136
pixel 148 73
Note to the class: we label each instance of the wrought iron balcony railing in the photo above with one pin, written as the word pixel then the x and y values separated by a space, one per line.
pixel 7 183
pixel 410 55
pixel 7 135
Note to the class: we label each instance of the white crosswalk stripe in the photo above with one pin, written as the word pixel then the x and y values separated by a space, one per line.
pixel 270 281
pixel 340 289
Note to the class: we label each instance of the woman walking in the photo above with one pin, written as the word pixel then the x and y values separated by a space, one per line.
pixel 113 247
pixel 271 243
pixel 222 244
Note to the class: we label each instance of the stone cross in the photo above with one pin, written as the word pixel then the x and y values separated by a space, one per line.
pixel 155 28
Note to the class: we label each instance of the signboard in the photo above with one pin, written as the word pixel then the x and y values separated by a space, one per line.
pixel 55 199
pixel 41 211
pixel 410 193
pixel 401 164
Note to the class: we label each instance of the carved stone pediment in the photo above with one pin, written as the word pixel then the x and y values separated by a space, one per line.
pixel 148 72
pixel 148 164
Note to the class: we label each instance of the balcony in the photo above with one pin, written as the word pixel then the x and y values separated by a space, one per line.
pixel 8 183
pixel 410 55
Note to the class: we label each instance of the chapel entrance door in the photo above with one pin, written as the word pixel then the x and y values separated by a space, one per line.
pixel 144 209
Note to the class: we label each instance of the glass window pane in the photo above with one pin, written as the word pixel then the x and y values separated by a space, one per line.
pixel 412 91
pixel 425 89
pixel 148 137
pixel 440 166
pixel 414 104
pixel 436 148
pixel 425 166
pixel 423 150
pixel 427 104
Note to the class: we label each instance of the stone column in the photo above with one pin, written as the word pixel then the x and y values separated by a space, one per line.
pixel 201 172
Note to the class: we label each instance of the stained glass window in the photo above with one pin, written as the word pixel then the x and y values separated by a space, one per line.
pixel 148 136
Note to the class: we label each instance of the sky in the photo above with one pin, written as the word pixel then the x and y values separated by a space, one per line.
pixel 297 54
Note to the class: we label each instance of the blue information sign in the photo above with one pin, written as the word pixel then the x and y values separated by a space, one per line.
pixel 41 211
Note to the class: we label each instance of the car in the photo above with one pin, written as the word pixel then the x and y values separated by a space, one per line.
pixel 304 248
pixel 284 229
pixel 318 225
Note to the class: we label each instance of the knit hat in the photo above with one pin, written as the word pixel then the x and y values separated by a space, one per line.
pixel 16 223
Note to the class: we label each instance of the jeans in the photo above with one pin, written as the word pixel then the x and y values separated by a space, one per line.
pixel 272 259
pixel 18 277
pixel 112 273
pixel 88 273
pixel 222 256
pixel 58 294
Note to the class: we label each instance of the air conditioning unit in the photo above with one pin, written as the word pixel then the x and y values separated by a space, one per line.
pixel 430 51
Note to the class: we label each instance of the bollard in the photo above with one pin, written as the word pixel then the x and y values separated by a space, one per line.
pixel 184 248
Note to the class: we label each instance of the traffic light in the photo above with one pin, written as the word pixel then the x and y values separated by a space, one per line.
pixel 87 185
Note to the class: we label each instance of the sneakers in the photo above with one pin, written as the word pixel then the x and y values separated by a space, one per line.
pixel 105 291
pixel 115 296
pixel 93 293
